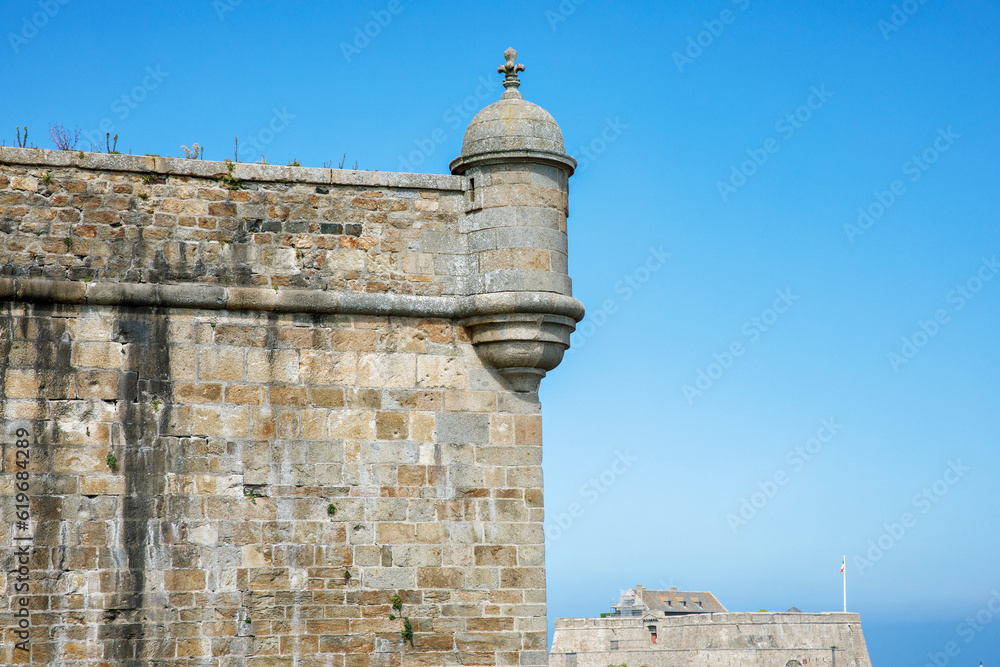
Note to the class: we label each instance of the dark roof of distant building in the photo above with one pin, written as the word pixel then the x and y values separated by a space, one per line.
pixel 794 610
pixel 679 602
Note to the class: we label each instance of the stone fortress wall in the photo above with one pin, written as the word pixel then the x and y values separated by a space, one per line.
pixel 713 640
pixel 279 416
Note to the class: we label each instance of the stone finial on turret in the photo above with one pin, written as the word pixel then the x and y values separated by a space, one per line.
pixel 510 70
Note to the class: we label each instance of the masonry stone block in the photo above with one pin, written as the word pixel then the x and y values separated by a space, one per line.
pixel 462 428
pixel 395 371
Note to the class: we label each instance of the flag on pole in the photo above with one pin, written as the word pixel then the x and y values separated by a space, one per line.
pixel 843 567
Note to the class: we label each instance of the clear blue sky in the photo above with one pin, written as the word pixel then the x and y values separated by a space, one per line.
pixel 896 118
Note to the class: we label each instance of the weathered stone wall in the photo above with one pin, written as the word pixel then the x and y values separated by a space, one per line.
pixel 117 218
pixel 300 424
pixel 713 640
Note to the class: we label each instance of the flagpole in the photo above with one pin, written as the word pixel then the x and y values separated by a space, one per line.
pixel 844 569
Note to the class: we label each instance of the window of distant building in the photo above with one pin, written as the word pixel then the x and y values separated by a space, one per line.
pixel 652 634
pixel 614 644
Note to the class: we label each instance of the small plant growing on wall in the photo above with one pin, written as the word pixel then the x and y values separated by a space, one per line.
pixel 344 159
pixel 229 180
pixel 63 138
pixel 407 633
pixel 331 509
pixel 112 461
pixel 248 624
pixel 347 576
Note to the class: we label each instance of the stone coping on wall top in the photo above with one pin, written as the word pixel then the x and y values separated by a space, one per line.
pixel 752 617
pixel 218 297
pixel 245 171
pixel 737 652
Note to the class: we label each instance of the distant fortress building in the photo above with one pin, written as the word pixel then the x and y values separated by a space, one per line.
pixel 673 628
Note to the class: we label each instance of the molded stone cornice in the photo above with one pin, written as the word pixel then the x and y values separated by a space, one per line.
pixel 217 297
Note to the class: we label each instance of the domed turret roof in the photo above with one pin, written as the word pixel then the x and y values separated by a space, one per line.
pixel 512 125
